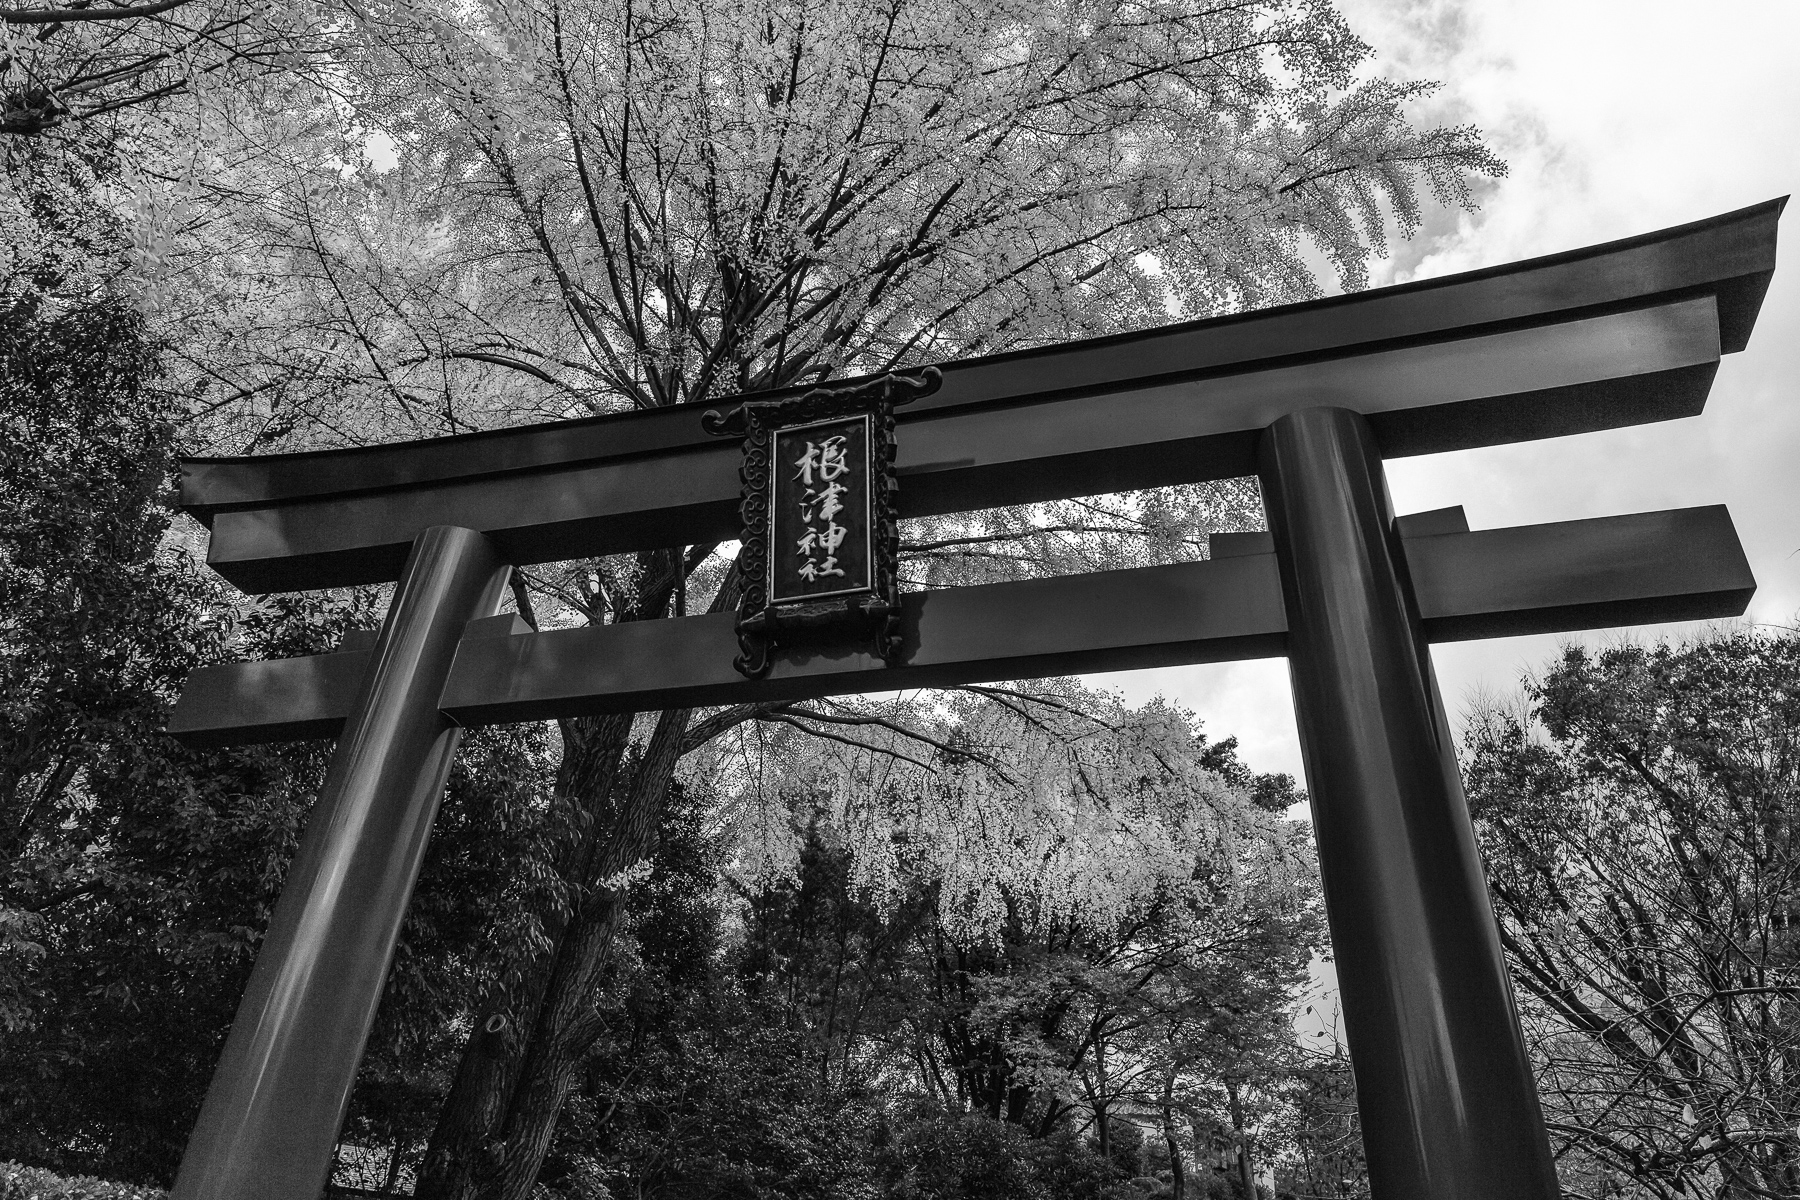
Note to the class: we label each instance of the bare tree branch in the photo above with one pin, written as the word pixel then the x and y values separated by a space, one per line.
pixel 58 16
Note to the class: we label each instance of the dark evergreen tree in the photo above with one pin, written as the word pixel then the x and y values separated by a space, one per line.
pixel 136 877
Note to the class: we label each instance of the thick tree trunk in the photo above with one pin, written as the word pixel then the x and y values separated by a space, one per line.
pixel 568 1022
pixel 471 1112
pixel 1246 1169
pixel 567 1026
pixel 492 1138
pixel 497 1123
pixel 1100 1117
pixel 465 1147
pixel 1178 1172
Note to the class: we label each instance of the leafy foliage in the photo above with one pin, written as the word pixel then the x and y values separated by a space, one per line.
pixel 30 1183
pixel 58 236
pixel 968 1157
pixel 83 467
pixel 805 1036
pixel 1049 984
pixel 416 217
pixel 686 200
pixel 136 877
pixel 1323 1133
pixel 593 208
pixel 702 1086
pixel 68 64
pixel 1640 822
pixel 1057 806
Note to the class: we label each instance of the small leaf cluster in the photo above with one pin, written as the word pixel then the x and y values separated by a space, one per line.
pixel 19 1182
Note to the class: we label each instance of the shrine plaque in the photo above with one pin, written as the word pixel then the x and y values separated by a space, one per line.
pixel 820 511
pixel 821 544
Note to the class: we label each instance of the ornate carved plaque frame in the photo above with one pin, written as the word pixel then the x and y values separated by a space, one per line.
pixel 777 611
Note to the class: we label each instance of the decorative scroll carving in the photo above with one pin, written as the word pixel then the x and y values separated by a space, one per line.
pixel 868 606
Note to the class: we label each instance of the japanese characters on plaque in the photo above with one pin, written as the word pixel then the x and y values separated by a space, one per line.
pixel 819 557
pixel 820 514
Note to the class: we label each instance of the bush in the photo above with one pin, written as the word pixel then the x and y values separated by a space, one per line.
pixel 948 1157
pixel 951 1158
pixel 29 1183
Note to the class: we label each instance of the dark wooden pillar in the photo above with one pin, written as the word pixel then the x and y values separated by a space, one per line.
pixel 1449 1107
pixel 277 1099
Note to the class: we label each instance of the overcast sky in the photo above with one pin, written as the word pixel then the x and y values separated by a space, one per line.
pixel 1617 117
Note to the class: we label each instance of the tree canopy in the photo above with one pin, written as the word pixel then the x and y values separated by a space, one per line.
pixel 1639 822
pixel 268 228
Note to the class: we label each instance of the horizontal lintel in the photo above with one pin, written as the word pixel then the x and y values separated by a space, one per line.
pixel 1684 564
pixel 1644 364
pixel 1730 256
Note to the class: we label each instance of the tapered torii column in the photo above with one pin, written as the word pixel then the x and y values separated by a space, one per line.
pixel 277 1099
pixel 1448 1102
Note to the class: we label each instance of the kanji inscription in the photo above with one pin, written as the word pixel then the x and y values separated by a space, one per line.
pixel 819 511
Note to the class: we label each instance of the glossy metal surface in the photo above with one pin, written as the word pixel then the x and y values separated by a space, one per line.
pixel 1449 1108
pixel 1666 566
pixel 1473 387
pixel 277 1098
pixel 1729 256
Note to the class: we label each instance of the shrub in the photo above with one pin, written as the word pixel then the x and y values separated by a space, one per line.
pixel 969 1157
pixel 18 1182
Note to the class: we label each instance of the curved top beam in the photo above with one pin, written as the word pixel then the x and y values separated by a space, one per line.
pixel 1729 257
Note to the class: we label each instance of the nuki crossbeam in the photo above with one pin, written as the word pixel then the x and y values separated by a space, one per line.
pixel 1663 566
pixel 1310 398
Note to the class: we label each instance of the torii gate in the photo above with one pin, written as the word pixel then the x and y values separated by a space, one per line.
pixel 1309 397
